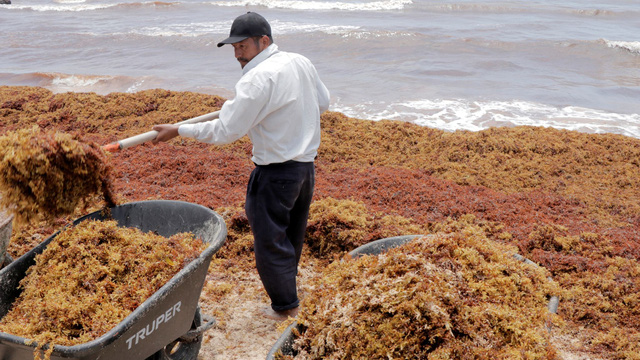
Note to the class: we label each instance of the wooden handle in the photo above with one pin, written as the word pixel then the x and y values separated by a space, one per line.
pixel 150 135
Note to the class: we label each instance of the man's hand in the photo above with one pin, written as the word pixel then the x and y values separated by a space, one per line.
pixel 166 132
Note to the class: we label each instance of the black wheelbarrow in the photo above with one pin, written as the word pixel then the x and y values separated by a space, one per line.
pixel 168 325
pixel 284 344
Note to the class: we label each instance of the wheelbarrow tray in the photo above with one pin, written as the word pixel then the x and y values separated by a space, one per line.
pixel 164 317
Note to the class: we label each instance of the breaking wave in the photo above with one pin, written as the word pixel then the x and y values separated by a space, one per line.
pixel 100 84
pixel 469 115
pixel 82 5
pixel 320 5
pixel 280 28
pixel 631 46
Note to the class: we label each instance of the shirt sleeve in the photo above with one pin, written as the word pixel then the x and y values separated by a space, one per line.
pixel 237 116
pixel 323 96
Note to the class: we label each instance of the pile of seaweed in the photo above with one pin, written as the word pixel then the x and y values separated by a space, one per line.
pixel 567 200
pixel 334 227
pixel 448 296
pixel 339 226
pixel 89 278
pixel 47 174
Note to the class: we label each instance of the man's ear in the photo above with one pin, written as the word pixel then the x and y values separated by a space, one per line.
pixel 265 41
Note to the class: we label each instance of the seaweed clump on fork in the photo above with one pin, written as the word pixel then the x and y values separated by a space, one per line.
pixel 48 174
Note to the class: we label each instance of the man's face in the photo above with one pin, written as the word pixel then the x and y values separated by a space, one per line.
pixel 247 49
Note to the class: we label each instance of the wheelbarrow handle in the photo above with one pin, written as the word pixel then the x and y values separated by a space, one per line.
pixel 150 135
pixel 195 334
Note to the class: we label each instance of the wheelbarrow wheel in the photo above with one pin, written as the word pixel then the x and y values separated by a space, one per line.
pixel 188 346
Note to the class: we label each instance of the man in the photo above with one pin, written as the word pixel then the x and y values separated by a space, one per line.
pixel 278 103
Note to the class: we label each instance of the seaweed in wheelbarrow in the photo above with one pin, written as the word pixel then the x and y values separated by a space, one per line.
pixel 168 324
pixel 439 296
pixel 90 277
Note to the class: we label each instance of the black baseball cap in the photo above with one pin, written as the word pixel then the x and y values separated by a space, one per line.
pixel 246 26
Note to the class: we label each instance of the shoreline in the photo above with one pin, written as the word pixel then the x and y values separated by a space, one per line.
pixel 445 114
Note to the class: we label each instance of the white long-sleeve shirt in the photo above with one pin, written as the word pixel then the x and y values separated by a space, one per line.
pixel 278 103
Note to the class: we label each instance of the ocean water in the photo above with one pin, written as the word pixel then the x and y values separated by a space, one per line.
pixel 448 64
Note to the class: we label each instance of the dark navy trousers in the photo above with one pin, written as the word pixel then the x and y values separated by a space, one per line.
pixel 277 206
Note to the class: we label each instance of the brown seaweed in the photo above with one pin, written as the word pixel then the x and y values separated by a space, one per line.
pixel 566 199
pixel 455 296
pixel 90 277
pixel 47 174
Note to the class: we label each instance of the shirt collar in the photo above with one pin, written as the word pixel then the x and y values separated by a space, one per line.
pixel 262 56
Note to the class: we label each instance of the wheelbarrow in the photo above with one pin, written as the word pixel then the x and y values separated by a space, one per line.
pixel 168 325
pixel 6 221
pixel 284 344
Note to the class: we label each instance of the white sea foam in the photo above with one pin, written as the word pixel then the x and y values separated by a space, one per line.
pixel 62 7
pixel 187 30
pixel 631 46
pixel 101 84
pixel 222 27
pixel 80 5
pixel 77 81
pixel 345 31
pixel 69 1
pixel 321 5
pixel 288 27
pixel 136 87
pixel 457 114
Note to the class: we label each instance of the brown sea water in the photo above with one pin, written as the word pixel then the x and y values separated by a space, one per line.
pixel 451 64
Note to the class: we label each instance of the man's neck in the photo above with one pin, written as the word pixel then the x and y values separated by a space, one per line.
pixel 263 55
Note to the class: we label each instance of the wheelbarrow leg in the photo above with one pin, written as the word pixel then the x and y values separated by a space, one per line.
pixel 188 345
